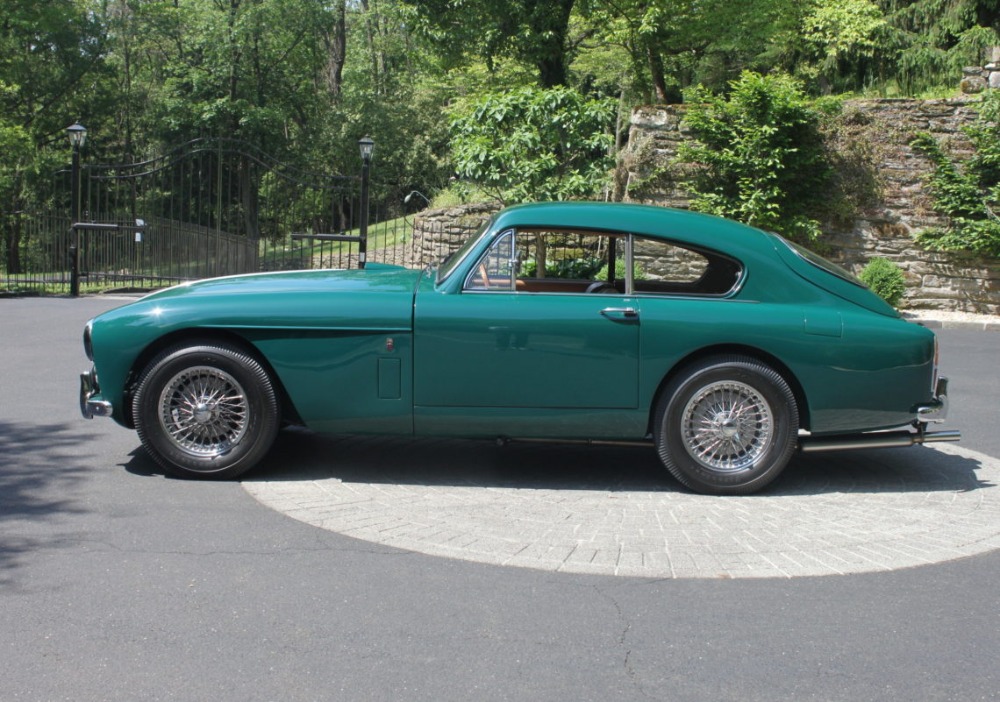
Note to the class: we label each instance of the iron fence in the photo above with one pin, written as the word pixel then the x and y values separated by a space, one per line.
pixel 207 208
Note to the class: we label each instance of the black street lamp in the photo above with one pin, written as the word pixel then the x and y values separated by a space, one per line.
pixel 367 146
pixel 77 134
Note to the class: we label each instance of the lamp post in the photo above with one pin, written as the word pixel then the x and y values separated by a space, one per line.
pixel 77 134
pixel 366 145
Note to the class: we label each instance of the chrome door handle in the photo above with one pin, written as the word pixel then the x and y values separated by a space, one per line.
pixel 625 313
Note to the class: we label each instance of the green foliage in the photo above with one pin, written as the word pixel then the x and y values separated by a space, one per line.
pixel 303 80
pixel 638 272
pixel 533 31
pixel 573 268
pixel 534 144
pixel 758 154
pixel 885 279
pixel 837 35
pixel 929 41
pixel 968 194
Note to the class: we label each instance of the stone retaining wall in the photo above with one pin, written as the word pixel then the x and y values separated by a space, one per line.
pixel 436 233
pixel 871 150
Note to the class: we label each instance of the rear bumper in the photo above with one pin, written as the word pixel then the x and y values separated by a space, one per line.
pixel 91 403
pixel 937 409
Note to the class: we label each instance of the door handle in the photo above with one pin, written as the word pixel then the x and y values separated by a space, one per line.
pixel 621 313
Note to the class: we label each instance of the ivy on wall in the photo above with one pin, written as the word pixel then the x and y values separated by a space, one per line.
pixel 968 194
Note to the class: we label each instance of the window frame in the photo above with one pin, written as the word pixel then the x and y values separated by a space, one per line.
pixel 629 239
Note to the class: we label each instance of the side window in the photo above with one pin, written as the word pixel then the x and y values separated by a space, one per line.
pixel 665 267
pixel 539 260
pixel 570 261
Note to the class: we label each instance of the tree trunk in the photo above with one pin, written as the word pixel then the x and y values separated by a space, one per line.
pixel 656 73
pixel 550 25
pixel 335 42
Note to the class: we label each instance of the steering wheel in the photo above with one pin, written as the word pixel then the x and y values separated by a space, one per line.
pixel 602 287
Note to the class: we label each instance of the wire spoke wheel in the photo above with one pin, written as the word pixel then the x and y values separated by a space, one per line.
pixel 727 426
pixel 204 411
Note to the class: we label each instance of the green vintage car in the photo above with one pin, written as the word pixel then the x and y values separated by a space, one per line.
pixel 725 348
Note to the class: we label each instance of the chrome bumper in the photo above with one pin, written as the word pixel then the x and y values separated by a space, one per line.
pixel 937 409
pixel 89 390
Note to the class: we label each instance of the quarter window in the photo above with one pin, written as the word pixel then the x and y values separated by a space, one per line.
pixel 664 267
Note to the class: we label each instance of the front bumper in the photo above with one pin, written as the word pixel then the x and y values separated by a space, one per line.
pixel 91 403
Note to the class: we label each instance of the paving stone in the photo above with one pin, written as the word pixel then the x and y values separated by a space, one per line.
pixel 567 510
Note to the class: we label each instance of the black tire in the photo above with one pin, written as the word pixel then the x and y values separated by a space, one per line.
pixel 712 449
pixel 206 411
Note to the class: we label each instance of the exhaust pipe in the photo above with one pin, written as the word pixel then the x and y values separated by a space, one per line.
pixel 890 439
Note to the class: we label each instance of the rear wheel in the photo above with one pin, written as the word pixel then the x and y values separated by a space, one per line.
pixel 206 411
pixel 727 425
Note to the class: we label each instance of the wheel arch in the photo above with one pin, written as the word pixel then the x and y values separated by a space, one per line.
pixel 196 336
pixel 728 349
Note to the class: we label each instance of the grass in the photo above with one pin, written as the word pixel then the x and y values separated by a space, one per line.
pixel 381 236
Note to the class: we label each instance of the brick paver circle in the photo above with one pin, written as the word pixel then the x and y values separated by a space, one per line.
pixel 615 510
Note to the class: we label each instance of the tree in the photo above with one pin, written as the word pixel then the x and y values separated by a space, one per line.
pixel 533 31
pixel 932 39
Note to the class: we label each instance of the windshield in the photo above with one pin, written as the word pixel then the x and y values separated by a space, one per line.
pixel 821 263
pixel 452 260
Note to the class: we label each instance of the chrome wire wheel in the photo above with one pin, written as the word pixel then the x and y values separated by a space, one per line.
pixel 203 411
pixel 727 426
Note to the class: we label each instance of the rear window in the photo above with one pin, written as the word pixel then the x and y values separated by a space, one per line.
pixel 821 263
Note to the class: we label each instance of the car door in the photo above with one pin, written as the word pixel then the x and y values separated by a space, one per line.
pixel 509 340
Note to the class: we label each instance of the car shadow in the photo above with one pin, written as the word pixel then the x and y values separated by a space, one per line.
pixel 302 455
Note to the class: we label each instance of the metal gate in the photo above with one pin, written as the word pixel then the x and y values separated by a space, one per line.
pixel 206 208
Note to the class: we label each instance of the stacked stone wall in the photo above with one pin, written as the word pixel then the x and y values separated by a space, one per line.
pixel 436 233
pixel 883 178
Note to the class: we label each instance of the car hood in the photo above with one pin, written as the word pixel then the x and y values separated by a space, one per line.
pixel 374 278
pixel 378 297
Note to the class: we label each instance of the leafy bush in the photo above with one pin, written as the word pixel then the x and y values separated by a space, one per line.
pixel 758 155
pixel 535 144
pixel 885 279
pixel 970 195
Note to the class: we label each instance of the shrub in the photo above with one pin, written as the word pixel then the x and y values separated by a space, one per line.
pixel 535 144
pixel 759 155
pixel 885 279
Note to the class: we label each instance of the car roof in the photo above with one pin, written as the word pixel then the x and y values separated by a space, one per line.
pixel 658 222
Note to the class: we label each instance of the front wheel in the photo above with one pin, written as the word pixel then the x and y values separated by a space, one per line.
pixel 727 426
pixel 205 411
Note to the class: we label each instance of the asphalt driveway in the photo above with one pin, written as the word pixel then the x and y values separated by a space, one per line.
pixel 119 584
